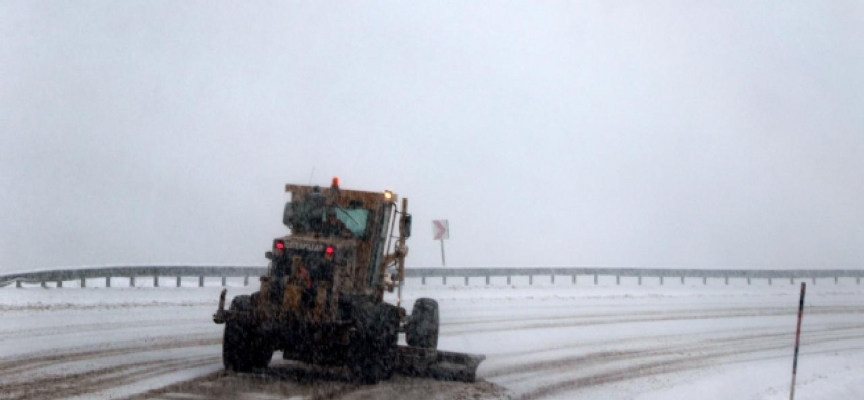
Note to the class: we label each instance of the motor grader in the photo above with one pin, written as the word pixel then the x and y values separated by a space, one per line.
pixel 322 300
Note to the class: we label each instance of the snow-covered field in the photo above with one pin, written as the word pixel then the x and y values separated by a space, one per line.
pixel 607 341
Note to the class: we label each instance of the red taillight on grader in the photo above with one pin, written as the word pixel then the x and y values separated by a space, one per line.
pixel 329 251
pixel 278 245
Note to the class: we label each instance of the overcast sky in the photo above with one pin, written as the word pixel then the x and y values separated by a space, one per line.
pixel 627 133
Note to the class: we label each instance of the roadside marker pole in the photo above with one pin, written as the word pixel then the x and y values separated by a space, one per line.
pixel 797 340
pixel 441 231
pixel 443 264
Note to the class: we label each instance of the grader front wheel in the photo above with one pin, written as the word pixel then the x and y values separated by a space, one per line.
pixel 422 328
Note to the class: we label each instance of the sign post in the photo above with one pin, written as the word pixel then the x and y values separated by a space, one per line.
pixel 441 231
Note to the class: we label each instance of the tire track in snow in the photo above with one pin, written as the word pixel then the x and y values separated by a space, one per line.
pixel 49 307
pixel 657 360
pixel 557 348
pixel 719 335
pixel 88 328
pixel 30 362
pixel 651 369
pixel 577 321
pixel 714 311
pixel 746 343
pixel 76 384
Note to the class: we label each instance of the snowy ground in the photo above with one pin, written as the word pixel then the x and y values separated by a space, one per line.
pixel 560 340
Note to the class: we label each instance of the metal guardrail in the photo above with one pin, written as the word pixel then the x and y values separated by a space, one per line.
pixel 131 272
pixel 202 272
pixel 638 273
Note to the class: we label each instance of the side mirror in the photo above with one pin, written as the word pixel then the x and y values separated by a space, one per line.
pixel 268 255
pixel 405 226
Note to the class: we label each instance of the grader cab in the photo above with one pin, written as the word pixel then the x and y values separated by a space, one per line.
pixel 322 300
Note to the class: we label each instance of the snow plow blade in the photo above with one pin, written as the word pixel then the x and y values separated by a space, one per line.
pixel 437 364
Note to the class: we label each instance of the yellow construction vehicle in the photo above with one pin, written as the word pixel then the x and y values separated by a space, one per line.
pixel 322 300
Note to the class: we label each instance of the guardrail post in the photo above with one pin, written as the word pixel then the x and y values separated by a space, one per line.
pixel 17 284
pixel 748 280
pixel 83 282
pixel 107 281
pixel 466 281
pixel 617 279
pixel 595 279
pixel 553 279
pixel 791 281
pixel 444 280
pixel 835 280
pixel 223 281
pixel 704 280
pixel 508 279
pixel 682 280
pixel 487 280
pixel 178 281
pixel 200 281
pixel 530 279
pixel 44 285
pixel 573 279
pixel 131 281
pixel 769 281
pixel 857 281
pixel 60 284
pixel 246 280
pixel 423 280
pixel 156 281
pixel 814 281
pixel 640 280
pixel 727 280
pixel 661 281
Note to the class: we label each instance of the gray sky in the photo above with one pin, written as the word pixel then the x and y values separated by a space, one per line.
pixel 669 134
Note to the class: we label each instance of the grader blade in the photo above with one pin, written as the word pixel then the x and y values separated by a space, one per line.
pixel 437 364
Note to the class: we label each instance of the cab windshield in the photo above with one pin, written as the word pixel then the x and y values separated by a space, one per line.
pixel 306 218
pixel 354 220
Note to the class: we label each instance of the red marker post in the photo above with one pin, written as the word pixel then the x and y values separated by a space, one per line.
pixel 797 339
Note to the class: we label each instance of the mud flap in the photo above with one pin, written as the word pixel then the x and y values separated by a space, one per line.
pixel 437 364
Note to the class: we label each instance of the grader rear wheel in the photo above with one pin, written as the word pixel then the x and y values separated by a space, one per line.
pixel 242 348
pixel 373 352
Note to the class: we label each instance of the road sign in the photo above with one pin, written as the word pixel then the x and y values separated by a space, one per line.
pixel 440 229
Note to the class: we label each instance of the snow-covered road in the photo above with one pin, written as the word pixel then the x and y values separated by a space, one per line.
pixel 544 341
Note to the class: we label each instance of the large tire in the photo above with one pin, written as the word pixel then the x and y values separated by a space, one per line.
pixel 389 341
pixel 422 328
pixel 242 347
pixel 372 355
pixel 263 349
